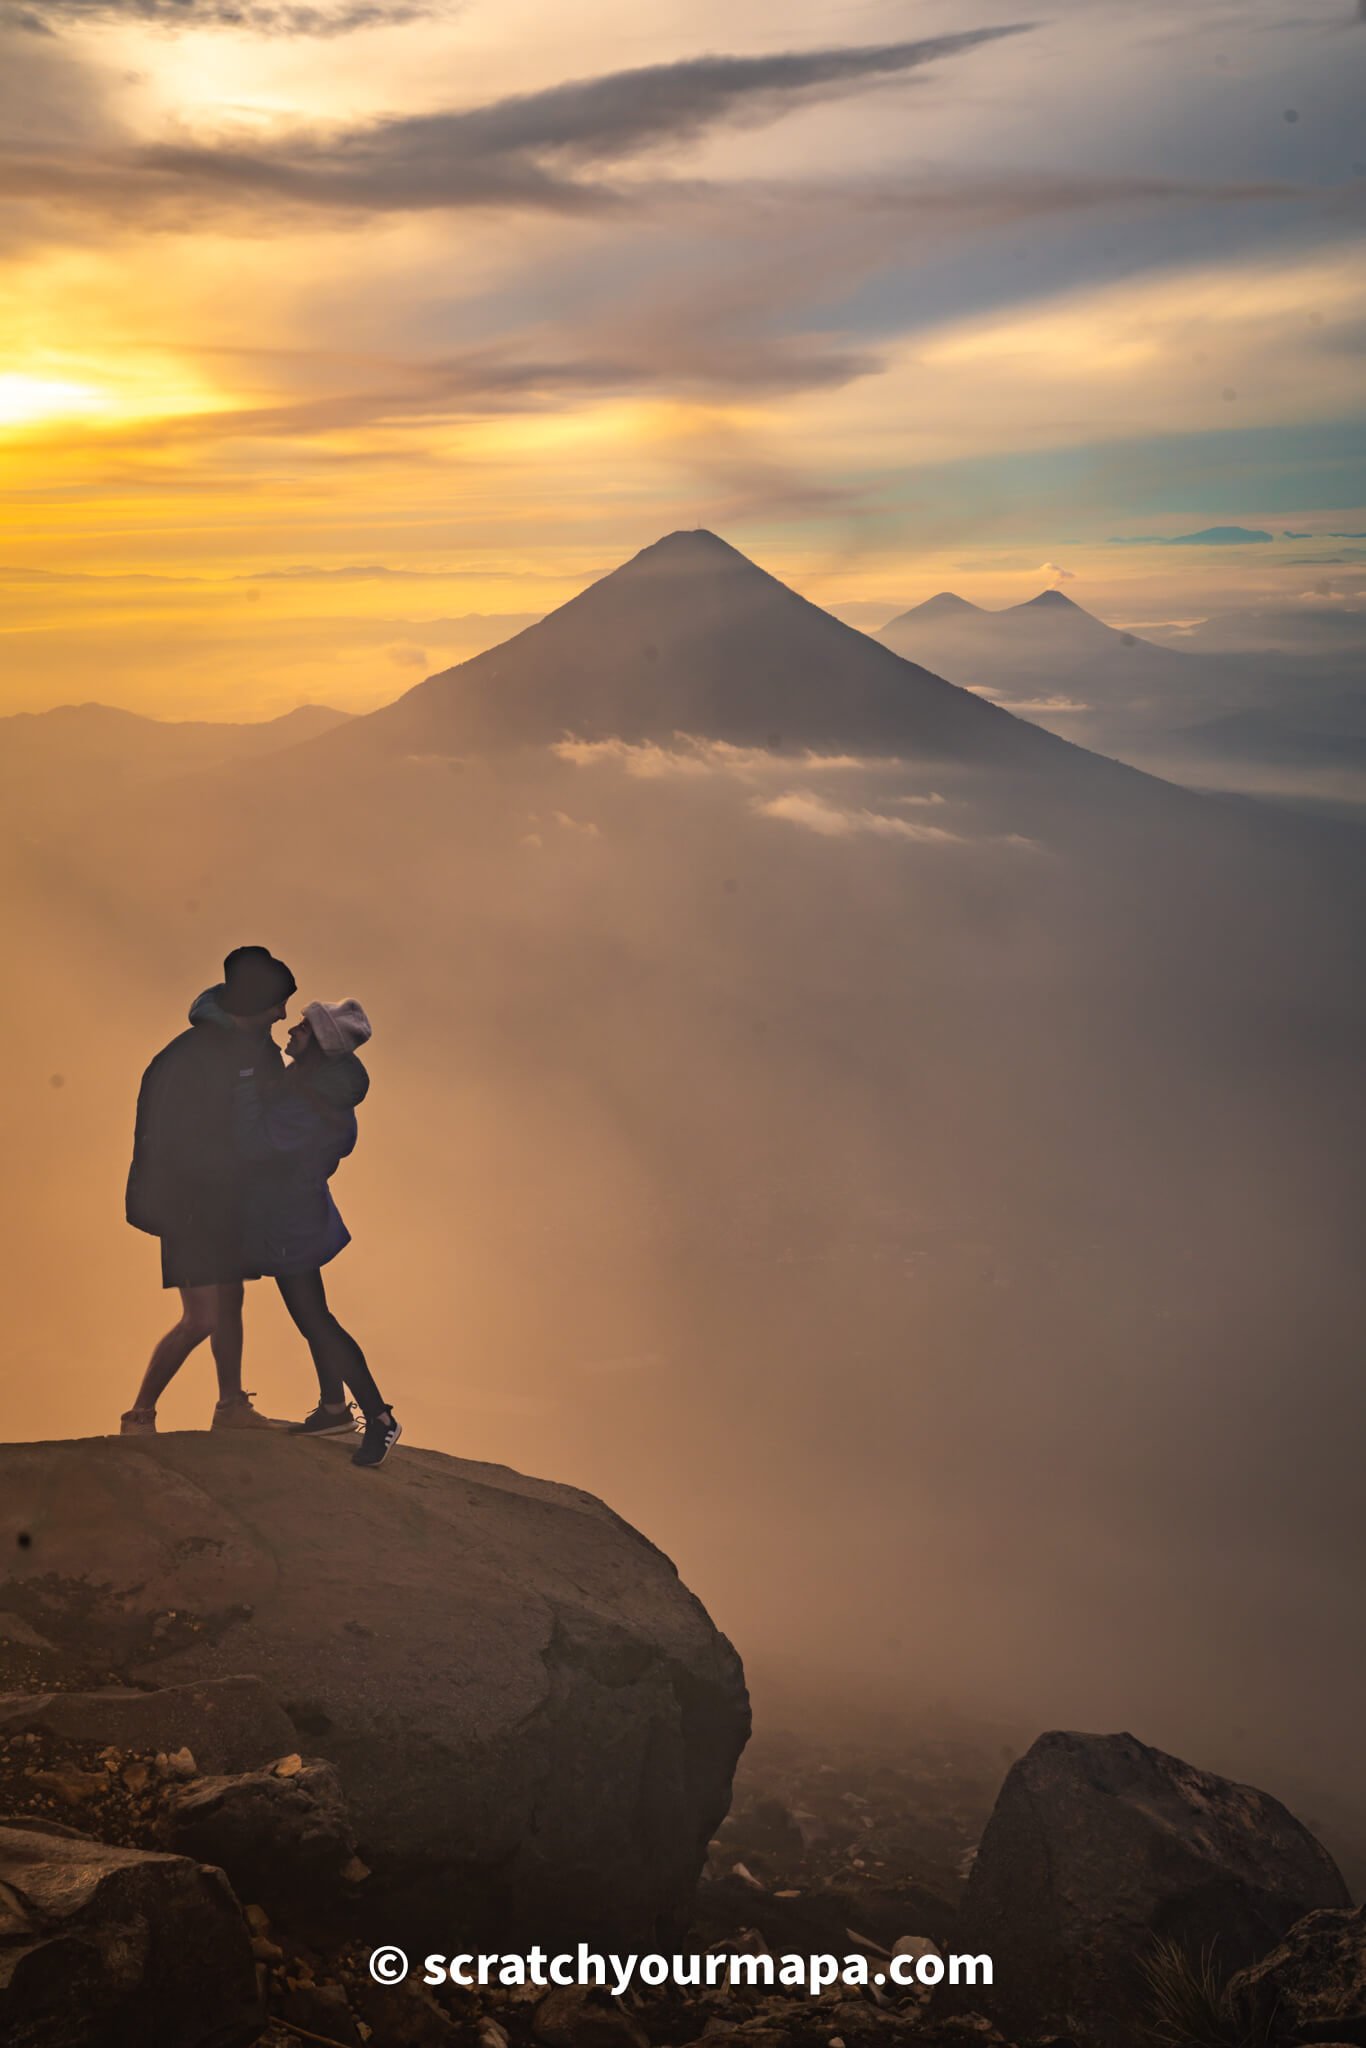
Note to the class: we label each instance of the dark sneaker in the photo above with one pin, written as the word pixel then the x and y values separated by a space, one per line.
pixel 326 1421
pixel 382 1432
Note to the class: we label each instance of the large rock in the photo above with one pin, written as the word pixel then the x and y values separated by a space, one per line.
pixel 105 1948
pixel 1311 1987
pixel 535 1722
pixel 1097 1848
pixel 284 1839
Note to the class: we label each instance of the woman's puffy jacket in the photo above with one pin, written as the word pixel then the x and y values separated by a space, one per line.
pixel 292 1133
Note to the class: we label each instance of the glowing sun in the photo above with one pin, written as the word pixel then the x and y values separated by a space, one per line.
pixel 26 400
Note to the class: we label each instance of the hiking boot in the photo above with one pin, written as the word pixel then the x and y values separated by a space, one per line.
pixel 325 1421
pixel 238 1413
pixel 381 1433
pixel 138 1422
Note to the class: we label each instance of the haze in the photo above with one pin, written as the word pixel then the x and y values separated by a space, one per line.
pixel 916 1179
pixel 907 1163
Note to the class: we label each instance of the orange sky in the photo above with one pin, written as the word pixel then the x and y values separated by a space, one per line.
pixel 338 342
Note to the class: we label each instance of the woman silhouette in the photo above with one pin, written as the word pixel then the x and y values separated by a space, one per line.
pixel 292 1132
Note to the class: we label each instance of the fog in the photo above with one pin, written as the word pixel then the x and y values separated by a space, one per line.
pixel 1263 703
pixel 924 1196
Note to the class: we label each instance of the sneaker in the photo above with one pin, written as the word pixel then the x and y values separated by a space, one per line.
pixel 238 1413
pixel 381 1433
pixel 138 1422
pixel 325 1421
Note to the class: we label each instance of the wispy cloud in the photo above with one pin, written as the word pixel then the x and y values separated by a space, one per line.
pixel 819 810
pixel 835 821
pixel 1208 537
pixel 553 149
pixel 260 17
pixel 1034 707
pixel 690 756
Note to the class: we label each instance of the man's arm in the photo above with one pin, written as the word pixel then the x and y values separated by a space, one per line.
pixel 148 1199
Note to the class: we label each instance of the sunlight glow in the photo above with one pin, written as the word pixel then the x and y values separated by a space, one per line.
pixel 24 401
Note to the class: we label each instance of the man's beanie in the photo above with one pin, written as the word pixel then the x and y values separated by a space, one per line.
pixel 338 1027
pixel 254 980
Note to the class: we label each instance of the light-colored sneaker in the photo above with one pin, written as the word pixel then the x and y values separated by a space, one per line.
pixel 138 1422
pixel 238 1413
pixel 325 1421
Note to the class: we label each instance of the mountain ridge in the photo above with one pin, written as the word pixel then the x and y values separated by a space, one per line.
pixel 947 605
pixel 118 715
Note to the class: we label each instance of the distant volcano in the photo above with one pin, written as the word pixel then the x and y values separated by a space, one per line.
pixel 1047 600
pixel 1049 656
pixel 944 604
pixel 691 636
pixel 1049 610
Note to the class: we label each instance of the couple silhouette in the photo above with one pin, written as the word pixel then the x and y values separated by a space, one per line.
pixel 233 1152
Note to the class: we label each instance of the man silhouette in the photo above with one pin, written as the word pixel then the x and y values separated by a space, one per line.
pixel 185 1184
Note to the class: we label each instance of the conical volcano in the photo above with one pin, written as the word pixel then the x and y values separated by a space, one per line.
pixel 691 636
pixel 1051 601
pixel 945 604
pixel 1053 615
pixel 1050 656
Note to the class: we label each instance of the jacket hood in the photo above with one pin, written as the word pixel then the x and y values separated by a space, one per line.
pixel 342 1082
pixel 208 1009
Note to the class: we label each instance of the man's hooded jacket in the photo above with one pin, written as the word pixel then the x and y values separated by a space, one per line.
pixel 187 1174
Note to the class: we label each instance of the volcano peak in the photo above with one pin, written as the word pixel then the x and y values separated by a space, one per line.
pixel 690 544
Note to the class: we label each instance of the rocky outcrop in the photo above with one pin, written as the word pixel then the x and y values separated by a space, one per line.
pixel 1099 1847
pixel 227 1724
pixel 102 1947
pixel 402 2015
pixel 582 2016
pixel 283 1836
pixel 1311 1987
pixel 535 1723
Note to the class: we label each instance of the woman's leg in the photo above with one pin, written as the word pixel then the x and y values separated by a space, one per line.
pixel 305 1298
pixel 339 1360
pixel 198 1320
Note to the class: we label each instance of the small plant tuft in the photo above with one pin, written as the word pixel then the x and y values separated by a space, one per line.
pixel 1189 2004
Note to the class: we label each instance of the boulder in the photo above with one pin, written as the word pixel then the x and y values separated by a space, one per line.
pixel 284 1840
pixel 1097 1848
pixel 402 2015
pixel 968 2030
pixel 103 1947
pixel 585 2016
pixel 534 1721
pixel 320 2012
pixel 1312 1985
pixel 227 1724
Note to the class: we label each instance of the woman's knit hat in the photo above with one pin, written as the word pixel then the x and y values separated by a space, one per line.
pixel 338 1027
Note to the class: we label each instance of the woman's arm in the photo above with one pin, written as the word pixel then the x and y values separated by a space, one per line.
pixel 269 1122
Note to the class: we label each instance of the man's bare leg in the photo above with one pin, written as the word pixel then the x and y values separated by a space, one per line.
pixel 198 1320
pixel 225 1340
pixel 234 1409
